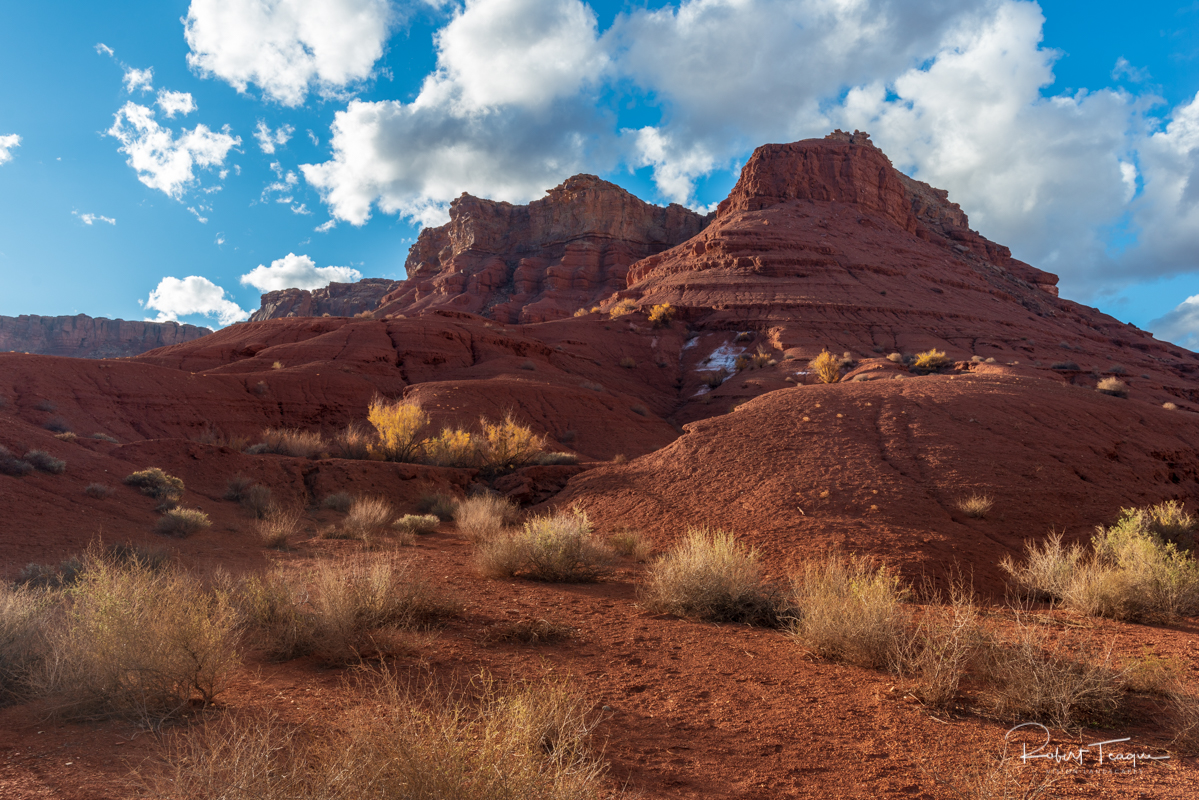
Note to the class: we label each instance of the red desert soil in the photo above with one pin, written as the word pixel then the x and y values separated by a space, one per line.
pixel 821 245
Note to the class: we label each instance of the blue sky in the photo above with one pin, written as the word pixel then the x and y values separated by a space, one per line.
pixel 1067 130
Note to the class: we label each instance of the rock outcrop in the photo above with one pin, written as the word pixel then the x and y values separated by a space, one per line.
pixel 82 336
pixel 334 300
pixel 541 261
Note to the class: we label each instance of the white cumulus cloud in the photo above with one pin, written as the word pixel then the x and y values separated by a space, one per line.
pixel 287 47
pixel 139 79
pixel 268 140
pixel 1181 325
pixel 162 160
pixel 7 143
pixel 296 272
pixel 91 219
pixel 1038 173
pixel 173 298
pixel 173 103
pixel 506 115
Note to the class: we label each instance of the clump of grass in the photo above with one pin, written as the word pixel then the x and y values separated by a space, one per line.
pixel 368 517
pixel 25 617
pixel 895 358
pixel 1129 573
pixel 342 611
pixel 214 436
pixel 484 516
pixel 137 641
pixel 624 307
pixel 278 525
pixel 1113 386
pixel 236 488
pixel 66 437
pixel 104 437
pixel 257 500
pixel 438 504
pixel 49 406
pixel 1170 406
pixel 631 544
pixel 826 366
pixel 1169 520
pixel 182 522
pixel 1065 365
pixel 11 465
pixel 550 459
pixel 714 379
pixel 940 649
pixel 338 501
pixel 291 442
pixel 530 630
pixel 592 385
pixel 44 462
pixel 277 365
pixel 1056 678
pixel 155 483
pixel 557 547
pixel 97 490
pixel 395 741
pixel 57 425
pixel 976 506
pixel 354 442
pixel 850 609
pixel 529 365
pixel 628 362
pixel 417 524
pixel 710 576
pixel 931 361
pixel 744 336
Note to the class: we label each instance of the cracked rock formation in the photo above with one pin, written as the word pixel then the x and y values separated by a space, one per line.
pixel 334 300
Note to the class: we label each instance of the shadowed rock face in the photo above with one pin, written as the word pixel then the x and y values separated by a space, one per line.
pixel 82 336
pixel 539 261
pixel 335 300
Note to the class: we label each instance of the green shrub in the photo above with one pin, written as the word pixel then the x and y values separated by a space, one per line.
pixel 157 484
pixel 711 576
pixel 417 524
pixel 1130 572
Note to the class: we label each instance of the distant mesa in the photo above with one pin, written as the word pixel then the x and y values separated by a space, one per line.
pixel 82 336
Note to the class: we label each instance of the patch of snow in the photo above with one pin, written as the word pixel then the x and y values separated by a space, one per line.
pixel 723 357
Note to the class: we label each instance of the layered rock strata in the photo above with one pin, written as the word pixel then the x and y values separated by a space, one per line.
pixel 334 300
pixel 541 261
pixel 82 336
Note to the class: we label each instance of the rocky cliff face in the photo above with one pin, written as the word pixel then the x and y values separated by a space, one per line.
pixel 540 261
pixel 82 336
pixel 335 300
